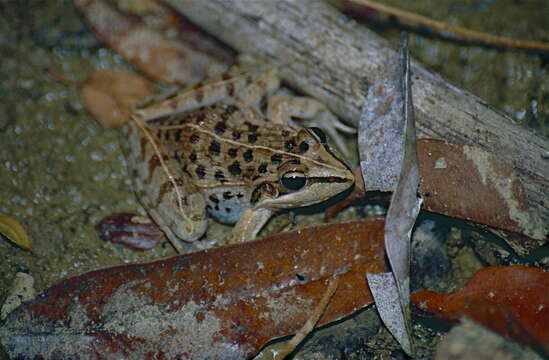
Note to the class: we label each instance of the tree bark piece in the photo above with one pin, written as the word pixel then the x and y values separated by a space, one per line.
pixel 334 59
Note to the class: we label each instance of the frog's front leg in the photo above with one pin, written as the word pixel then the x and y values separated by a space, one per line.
pixel 250 223
pixel 280 109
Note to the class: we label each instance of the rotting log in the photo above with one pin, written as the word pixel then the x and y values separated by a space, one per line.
pixel 329 56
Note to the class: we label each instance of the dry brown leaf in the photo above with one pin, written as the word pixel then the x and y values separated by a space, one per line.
pixel 109 95
pixel 130 230
pixel 222 303
pixel 164 58
pixel 469 183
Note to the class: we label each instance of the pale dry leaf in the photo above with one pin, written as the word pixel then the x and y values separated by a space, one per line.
pixel 12 230
pixel 392 158
pixel 109 95
pixel 21 290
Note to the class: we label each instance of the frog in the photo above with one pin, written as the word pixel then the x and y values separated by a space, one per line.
pixel 227 149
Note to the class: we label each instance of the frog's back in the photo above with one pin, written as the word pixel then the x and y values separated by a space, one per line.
pixel 225 145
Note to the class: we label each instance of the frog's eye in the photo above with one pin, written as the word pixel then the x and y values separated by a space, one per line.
pixel 293 180
pixel 320 134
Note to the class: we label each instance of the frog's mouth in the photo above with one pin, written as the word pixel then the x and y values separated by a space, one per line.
pixel 315 190
pixel 324 180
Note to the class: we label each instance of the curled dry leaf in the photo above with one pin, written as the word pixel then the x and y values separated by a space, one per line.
pixel 131 230
pixel 14 232
pixel 110 94
pixel 511 300
pixel 222 303
pixel 388 117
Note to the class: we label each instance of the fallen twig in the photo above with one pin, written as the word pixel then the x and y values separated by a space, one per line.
pixel 311 322
pixel 457 30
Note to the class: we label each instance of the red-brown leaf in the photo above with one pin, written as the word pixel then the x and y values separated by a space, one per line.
pixel 511 300
pixel 468 183
pixel 130 230
pixel 219 303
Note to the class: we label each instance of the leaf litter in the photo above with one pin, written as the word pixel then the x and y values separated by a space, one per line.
pixel 387 149
pixel 219 303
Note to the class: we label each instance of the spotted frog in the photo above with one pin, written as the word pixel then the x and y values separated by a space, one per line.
pixel 225 148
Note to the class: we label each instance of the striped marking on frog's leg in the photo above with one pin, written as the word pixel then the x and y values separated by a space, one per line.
pixel 249 87
pixel 166 191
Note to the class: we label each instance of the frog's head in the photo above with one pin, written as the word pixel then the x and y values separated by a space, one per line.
pixel 313 172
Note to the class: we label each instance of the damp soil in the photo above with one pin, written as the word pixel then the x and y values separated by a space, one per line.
pixel 61 172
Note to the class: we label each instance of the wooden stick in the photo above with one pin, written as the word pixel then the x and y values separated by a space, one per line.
pixel 311 322
pixel 457 30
